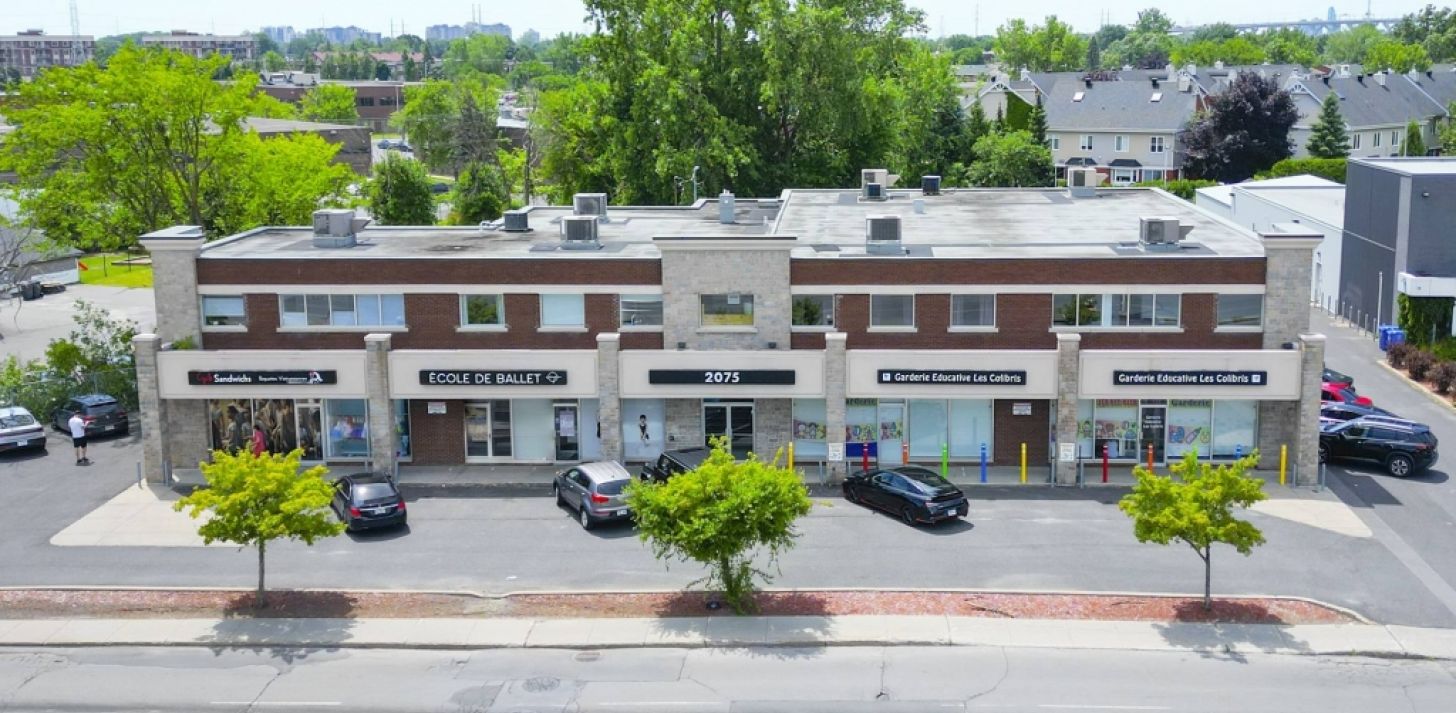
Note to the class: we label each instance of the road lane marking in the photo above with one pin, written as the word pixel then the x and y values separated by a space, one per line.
pixel 321 704
pixel 1080 707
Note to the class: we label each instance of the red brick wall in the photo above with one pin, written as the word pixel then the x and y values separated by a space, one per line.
pixel 1134 271
pixel 1011 431
pixel 437 439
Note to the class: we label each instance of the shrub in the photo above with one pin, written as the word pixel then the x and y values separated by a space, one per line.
pixel 1419 364
pixel 1444 375
pixel 1397 354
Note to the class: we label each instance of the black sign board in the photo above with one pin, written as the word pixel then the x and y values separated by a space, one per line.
pixel 491 377
pixel 952 377
pixel 1190 378
pixel 261 378
pixel 723 377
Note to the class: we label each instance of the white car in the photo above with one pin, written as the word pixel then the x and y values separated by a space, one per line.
pixel 19 430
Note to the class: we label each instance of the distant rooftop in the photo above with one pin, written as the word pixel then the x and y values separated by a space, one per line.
pixel 1414 166
pixel 264 125
pixel 1316 198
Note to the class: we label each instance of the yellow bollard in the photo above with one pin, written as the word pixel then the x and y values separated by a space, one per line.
pixel 791 455
pixel 1283 461
pixel 1023 464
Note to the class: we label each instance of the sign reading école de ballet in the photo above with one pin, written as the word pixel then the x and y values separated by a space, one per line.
pixel 491 377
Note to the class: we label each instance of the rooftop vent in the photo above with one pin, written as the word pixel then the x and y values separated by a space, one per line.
pixel 593 204
pixel 1161 233
pixel 882 235
pixel 579 232
pixel 336 228
pixel 1379 78
pixel 874 192
pixel 930 185
pixel 516 221
pixel 726 205
pixel 874 175
pixel 1083 182
pixel 1155 82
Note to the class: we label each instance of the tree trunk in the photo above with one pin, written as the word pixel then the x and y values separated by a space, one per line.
pixel 259 601
pixel 1207 578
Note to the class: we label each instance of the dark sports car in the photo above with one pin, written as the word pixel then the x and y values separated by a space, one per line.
pixel 914 494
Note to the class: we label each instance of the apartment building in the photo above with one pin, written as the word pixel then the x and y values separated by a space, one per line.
pixel 866 323
pixel 27 53
pixel 455 32
pixel 376 101
pixel 1127 130
pixel 241 48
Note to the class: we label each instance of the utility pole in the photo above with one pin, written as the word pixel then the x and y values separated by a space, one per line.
pixel 78 52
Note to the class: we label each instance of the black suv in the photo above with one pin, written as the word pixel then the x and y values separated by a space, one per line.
pixel 671 463
pixel 1403 447
pixel 102 414
pixel 368 500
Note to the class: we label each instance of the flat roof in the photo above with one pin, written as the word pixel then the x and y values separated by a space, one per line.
pixel 1322 203
pixel 1415 165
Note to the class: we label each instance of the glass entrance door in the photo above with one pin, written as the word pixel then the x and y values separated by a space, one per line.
pixel 733 419
pixel 568 436
pixel 890 447
pixel 1153 430
pixel 487 430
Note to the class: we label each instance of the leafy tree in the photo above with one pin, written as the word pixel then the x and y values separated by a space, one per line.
pixel 400 194
pixel 720 515
pixel 480 194
pixel 1238 50
pixel 1350 46
pixel 1327 138
pixel 1195 506
pixel 928 104
pixel 266 44
pixel 1216 33
pixel 472 137
pixel 1289 46
pixel 433 119
pixel 575 133
pixel 1185 188
pixel 1244 130
pixel 272 61
pixel 1332 169
pixel 1147 46
pixel 329 102
pixel 1052 47
pixel 254 500
pixel 976 127
pixel 1094 54
pixel 1390 54
pixel 1431 27
pixel 1108 34
pixel 1415 142
pixel 282 180
pixel 1152 21
pixel 476 54
pixel 1010 159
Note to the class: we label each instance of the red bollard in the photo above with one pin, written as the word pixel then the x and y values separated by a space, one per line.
pixel 865 457
pixel 1150 456
pixel 1104 462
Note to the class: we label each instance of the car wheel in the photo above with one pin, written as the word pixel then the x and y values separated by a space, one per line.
pixel 1399 465
pixel 907 516
pixel 1324 453
pixel 585 518
pixel 850 496
pixel 556 490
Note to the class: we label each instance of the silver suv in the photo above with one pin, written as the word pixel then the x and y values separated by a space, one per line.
pixel 594 490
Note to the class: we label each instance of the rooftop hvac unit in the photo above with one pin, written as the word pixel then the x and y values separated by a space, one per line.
pixel 517 221
pixel 1162 233
pixel 930 185
pixel 594 204
pixel 882 235
pixel 874 175
pixel 579 232
pixel 874 192
pixel 1083 182
pixel 336 228
pixel 726 206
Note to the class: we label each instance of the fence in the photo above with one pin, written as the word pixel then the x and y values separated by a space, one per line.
pixel 44 395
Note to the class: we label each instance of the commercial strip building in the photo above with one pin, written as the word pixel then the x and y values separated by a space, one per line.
pixel 1117 321
pixel 376 101
pixel 355 149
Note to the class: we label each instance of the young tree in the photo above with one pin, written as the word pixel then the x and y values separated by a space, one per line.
pixel 1094 54
pixel 472 136
pixel 433 117
pixel 480 194
pixel 1415 142
pixel 329 103
pixel 1010 159
pixel 1195 506
pixel 1327 138
pixel 253 500
pixel 720 515
pixel 1244 130
pixel 1036 122
pixel 400 194
pixel 273 62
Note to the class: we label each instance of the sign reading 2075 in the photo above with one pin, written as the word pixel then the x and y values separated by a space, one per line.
pixel 721 377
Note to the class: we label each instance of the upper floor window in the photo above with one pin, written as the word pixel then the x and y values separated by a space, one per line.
pixel 1117 310
pixel 1056 143
pixel 1155 144
pixel 563 311
pixel 1086 142
pixel 341 310
pixel 641 310
pixel 973 310
pixel 1355 141
pixel 1240 310
pixel 732 309
pixel 892 310
pixel 813 310
pixel 1119 144
pixel 224 311
pixel 482 311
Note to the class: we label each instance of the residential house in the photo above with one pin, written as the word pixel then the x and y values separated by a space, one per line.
pixel 1376 108
pixel 1127 130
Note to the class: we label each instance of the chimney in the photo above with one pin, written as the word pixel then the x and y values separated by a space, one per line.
pixel 1025 74
pixel 726 204
pixel 1379 78
pixel 1172 72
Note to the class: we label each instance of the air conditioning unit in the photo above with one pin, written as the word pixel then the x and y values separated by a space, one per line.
pixel 1162 232
pixel 579 232
pixel 874 192
pixel 930 185
pixel 1083 182
pixel 517 221
pixel 593 204
pixel 336 228
pixel 874 175
pixel 882 235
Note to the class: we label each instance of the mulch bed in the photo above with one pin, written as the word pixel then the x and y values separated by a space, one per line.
pixel 44 603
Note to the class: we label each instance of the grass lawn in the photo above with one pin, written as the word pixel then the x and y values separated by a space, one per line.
pixel 103 270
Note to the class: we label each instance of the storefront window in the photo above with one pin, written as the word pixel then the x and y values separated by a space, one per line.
pixel 310 429
pixel 535 429
pixel 1115 428
pixel 813 310
pixel 727 310
pixel 970 426
pixel 641 310
pixel 643 428
pixel 1234 426
pixel 1190 428
pixel 928 424
pixel 1085 447
pixel 401 428
pixel 859 421
pixel 348 434
pixel 810 429
pixel 231 423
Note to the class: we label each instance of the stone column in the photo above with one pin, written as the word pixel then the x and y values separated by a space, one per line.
pixel 836 386
pixel 174 251
pixel 1288 269
pixel 609 399
pixel 1069 379
pixel 383 441
pixel 151 407
pixel 1305 451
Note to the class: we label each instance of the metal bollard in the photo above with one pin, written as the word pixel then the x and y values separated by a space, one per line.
pixel 983 462
pixel 945 460
pixel 864 458
pixel 1283 461
pixel 1023 464
pixel 1105 456
pixel 139 474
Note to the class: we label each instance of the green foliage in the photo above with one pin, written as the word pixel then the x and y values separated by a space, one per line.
pixel 1424 319
pixel 1327 138
pixel 1195 506
pixel 1434 29
pixel 1011 159
pixel 95 357
pixel 1235 50
pixel 807 311
pixel 1289 46
pixel 1036 122
pixel 329 103
pixel 476 54
pixel 1332 169
pixel 1390 54
pixel 1147 46
pixel 1350 46
pixel 282 180
pixel 399 194
pixel 575 131
pixel 1448 132
pixel 254 500
pixel 1418 363
pixel 480 194
pixel 1052 47
pixel 1243 130
pixel 720 515
pixel 1018 114
pixel 271 61
pixel 445 122
pixel 1185 188
pixel 1415 143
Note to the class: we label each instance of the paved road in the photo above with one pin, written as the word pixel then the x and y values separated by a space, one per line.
pixel 744 680
pixel 28 327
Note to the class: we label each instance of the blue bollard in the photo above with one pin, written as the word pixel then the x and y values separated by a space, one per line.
pixel 1238 452
pixel 983 462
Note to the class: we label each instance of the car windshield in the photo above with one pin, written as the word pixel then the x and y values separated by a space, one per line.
pixel 372 491
pixel 16 420
pixel 924 479
pixel 1348 394
pixel 612 487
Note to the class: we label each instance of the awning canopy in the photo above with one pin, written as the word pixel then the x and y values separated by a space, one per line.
pixel 1081 162
pixel 1125 163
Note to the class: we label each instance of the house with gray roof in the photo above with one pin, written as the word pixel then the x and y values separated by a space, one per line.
pixel 1127 130
pixel 1376 108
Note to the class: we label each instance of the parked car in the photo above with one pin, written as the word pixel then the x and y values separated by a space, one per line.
pixel 1334 377
pixel 439 187
pixel 1340 394
pixel 671 463
pixel 594 490
pixel 19 430
pixel 402 146
pixel 913 493
pixel 385 144
pixel 1341 411
pixel 365 501
pixel 103 415
pixel 1401 447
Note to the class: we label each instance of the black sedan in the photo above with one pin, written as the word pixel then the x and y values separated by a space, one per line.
pixel 915 494
pixel 368 500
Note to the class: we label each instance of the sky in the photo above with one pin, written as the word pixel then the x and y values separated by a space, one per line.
pixel 108 17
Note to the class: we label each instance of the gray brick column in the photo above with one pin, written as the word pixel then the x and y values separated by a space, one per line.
pixel 1288 269
pixel 836 375
pixel 1305 450
pixel 151 407
pixel 179 316
pixel 1069 378
pixel 609 399
pixel 771 429
pixel 383 441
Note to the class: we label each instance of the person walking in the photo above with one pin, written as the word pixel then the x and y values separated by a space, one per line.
pixel 260 440
pixel 78 438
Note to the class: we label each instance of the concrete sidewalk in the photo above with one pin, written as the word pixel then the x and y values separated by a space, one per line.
pixel 703 632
